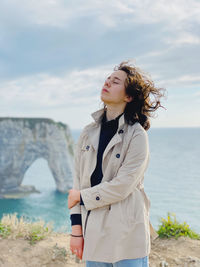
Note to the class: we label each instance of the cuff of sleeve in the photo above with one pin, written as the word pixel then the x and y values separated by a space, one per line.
pixel 76 219
pixel 92 199
pixel 76 209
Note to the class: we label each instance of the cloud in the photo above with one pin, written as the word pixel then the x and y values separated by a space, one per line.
pixel 45 91
pixel 183 81
pixel 183 38
pixel 79 87
pixel 51 36
pixel 72 97
pixel 55 53
pixel 60 12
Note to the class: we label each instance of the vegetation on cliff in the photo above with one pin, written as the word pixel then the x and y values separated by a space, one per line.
pixel 170 227
pixel 13 227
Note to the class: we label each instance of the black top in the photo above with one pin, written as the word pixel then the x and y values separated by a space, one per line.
pixel 108 130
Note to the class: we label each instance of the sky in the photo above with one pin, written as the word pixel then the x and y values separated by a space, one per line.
pixel 56 54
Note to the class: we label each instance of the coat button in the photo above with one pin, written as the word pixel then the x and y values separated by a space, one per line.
pixel 87 147
pixel 117 155
pixel 120 131
pixel 97 198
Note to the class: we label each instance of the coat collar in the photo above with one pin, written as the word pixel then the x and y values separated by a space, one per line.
pixel 94 133
pixel 97 116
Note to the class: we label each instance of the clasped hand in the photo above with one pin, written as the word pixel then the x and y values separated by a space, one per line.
pixel 73 197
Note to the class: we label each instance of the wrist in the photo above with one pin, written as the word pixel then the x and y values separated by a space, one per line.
pixel 77 230
pixel 76 235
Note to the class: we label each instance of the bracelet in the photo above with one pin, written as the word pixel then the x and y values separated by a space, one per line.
pixel 76 235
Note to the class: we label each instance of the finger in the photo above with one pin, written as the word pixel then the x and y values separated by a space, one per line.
pixel 79 253
pixel 73 251
pixel 69 204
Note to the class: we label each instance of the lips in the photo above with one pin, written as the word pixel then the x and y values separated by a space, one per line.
pixel 104 90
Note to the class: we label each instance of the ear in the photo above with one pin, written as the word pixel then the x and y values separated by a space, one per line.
pixel 128 98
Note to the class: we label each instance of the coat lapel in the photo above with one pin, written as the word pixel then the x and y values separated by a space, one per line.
pixel 115 140
pixel 93 135
pixel 94 132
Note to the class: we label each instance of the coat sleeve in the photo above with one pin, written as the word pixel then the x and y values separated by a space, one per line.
pixel 76 178
pixel 127 178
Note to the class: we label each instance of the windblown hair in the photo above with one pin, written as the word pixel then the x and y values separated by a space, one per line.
pixel 146 97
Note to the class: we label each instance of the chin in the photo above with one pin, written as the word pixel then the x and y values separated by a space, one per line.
pixel 102 98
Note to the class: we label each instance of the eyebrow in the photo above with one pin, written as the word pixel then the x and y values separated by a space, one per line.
pixel 115 78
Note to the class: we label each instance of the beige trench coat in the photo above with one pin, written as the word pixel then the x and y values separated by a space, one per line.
pixel 118 225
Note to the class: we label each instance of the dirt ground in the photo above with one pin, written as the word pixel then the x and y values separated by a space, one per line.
pixel 54 252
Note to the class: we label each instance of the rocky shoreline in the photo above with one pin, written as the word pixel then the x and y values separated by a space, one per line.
pixel 54 251
pixel 20 192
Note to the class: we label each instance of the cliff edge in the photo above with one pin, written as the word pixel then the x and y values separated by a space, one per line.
pixel 54 251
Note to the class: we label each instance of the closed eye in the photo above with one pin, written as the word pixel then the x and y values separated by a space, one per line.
pixel 109 79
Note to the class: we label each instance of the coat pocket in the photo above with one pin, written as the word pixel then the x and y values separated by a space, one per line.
pixel 85 151
pixel 133 209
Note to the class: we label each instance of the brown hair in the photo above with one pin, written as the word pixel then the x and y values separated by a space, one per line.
pixel 146 97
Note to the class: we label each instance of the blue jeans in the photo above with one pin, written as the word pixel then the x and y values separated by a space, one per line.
pixel 139 262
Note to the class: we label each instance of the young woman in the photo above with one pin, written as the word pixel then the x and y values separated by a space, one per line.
pixel 108 205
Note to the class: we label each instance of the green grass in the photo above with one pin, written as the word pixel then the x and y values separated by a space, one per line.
pixel 59 252
pixel 4 230
pixel 171 228
pixel 37 233
pixel 13 227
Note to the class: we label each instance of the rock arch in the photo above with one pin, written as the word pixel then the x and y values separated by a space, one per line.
pixel 22 141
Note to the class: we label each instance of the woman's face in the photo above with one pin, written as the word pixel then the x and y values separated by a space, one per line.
pixel 113 91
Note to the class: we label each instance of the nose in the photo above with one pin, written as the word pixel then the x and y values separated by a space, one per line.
pixel 107 82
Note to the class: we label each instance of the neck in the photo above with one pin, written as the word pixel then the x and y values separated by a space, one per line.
pixel 112 112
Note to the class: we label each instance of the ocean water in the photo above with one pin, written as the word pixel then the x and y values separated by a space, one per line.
pixel 172 183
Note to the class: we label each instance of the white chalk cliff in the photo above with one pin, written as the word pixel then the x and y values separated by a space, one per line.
pixel 24 140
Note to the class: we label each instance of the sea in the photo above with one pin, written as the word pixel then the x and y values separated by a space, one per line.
pixel 172 183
